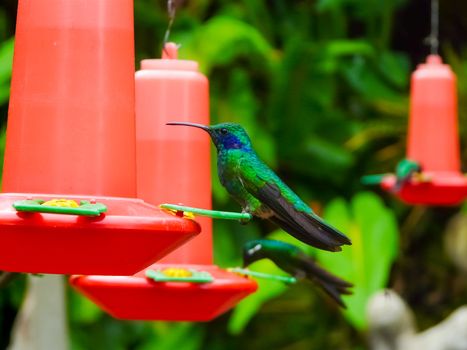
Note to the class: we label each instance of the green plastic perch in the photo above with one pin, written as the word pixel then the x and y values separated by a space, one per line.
pixel 285 279
pixel 215 214
pixel 375 179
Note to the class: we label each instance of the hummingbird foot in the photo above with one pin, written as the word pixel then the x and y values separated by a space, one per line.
pixel 245 220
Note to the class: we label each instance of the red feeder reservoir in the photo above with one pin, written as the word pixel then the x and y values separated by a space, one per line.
pixel 433 139
pixel 71 134
pixel 173 166
pixel 140 298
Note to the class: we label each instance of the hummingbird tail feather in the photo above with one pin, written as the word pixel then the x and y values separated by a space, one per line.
pixel 337 235
pixel 315 239
pixel 332 285
pixel 305 226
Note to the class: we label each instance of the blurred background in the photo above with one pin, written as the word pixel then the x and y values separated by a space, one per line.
pixel 323 85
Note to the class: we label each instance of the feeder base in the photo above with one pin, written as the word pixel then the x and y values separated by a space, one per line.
pixel 439 188
pixel 129 236
pixel 141 298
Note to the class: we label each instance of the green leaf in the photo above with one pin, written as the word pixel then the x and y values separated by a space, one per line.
pixel 368 82
pixel 373 230
pixel 223 39
pixel 6 60
pixel 338 48
pixel 6 63
pixel 395 68
pixel 325 5
pixel 180 336
pixel 4 93
pixel 464 208
pixel 82 310
pixel 331 156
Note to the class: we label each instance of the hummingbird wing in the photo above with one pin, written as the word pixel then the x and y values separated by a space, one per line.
pixel 332 285
pixel 305 226
pixel 290 212
pixel 293 260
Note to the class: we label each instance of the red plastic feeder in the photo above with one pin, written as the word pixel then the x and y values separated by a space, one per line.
pixel 71 134
pixel 433 139
pixel 129 236
pixel 139 298
pixel 173 166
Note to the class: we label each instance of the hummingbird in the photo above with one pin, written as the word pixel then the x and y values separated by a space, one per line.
pixel 405 169
pixel 294 261
pixel 261 192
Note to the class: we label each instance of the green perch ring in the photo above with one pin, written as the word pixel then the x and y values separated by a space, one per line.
pixel 371 180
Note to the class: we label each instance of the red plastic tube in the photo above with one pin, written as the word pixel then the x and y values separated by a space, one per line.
pixel 433 138
pixel 173 162
pixel 71 118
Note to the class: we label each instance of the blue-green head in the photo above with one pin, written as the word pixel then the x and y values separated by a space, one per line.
pixel 225 136
pixel 266 248
pixel 253 251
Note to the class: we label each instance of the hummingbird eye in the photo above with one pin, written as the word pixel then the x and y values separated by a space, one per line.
pixel 224 131
pixel 254 249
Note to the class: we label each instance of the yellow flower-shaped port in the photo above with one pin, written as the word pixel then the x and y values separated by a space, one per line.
pixel 68 203
pixel 177 272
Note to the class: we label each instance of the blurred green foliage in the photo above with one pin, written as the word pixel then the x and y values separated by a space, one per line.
pixel 323 87
pixel 6 57
pixel 373 230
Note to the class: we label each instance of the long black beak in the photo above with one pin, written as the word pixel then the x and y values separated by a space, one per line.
pixel 200 126
pixel 245 263
pixel 247 259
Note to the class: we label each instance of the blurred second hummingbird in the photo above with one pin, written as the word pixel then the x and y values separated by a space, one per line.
pixel 293 260
pixel 261 192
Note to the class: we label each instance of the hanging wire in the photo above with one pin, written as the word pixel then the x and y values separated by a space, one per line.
pixel 172 6
pixel 171 10
pixel 433 39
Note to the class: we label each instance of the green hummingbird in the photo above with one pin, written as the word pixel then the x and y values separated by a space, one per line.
pixel 261 192
pixel 404 171
pixel 294 261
